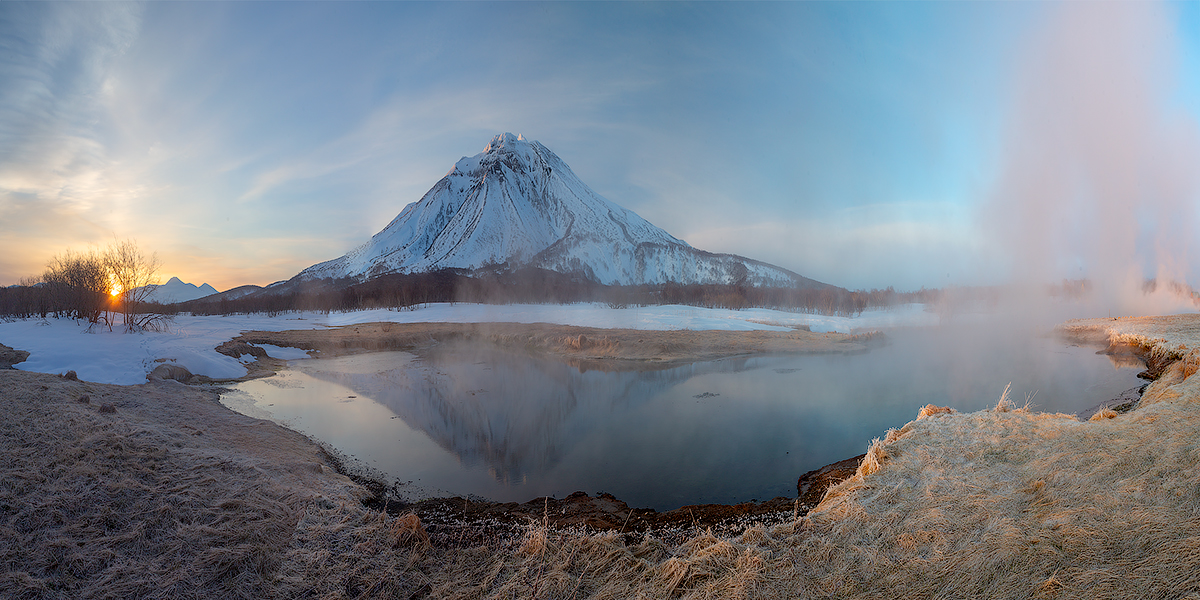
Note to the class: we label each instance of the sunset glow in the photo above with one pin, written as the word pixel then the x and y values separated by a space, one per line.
pixel 860 144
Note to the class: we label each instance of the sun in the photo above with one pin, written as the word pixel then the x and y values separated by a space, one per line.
pixel 114 291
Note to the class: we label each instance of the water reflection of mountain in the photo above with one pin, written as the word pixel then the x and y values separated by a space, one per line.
pixel 516 414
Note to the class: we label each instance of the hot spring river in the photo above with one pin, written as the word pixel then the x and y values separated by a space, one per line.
pixel 508 427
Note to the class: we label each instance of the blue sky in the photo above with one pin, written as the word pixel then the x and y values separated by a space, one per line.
pixel 861 144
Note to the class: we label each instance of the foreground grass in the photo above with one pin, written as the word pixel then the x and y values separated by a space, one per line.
pixel 1004 503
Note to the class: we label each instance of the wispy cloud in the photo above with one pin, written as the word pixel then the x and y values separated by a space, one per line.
pixel 259 136
pixel 54 62
pixel 865 247
pixel 426 131
pixel 53 68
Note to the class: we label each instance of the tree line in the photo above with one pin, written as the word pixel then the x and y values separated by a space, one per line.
pixel 104 287
pixel 539 286
pixel 111 286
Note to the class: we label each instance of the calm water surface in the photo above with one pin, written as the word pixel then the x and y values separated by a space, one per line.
pixel 471 420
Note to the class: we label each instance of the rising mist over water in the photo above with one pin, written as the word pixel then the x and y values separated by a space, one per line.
pixel 472 420
pixel 1098 175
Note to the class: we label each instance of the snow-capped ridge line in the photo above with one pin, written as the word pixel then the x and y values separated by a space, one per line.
pixel 175 290
pixel 518 203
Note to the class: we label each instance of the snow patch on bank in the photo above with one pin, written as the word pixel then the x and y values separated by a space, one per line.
pixel 59 345
pixel 283 353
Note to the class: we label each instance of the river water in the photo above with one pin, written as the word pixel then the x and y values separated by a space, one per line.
pixel 472 420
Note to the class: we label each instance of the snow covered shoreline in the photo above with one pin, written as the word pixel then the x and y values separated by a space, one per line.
pixel 59 345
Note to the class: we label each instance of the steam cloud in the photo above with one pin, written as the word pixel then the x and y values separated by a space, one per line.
pixel 1100 174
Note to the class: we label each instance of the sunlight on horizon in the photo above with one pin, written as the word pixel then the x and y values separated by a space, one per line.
pixel 910 162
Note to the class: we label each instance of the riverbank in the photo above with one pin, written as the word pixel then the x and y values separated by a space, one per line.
pixel 10 357
pixel 158 490
pixel 97 354
pixel 588 347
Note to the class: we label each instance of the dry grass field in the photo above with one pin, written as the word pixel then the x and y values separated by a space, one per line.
pixel 170 495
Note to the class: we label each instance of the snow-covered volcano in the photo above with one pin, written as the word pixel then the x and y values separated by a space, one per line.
pixel 518 204
pixel 176 290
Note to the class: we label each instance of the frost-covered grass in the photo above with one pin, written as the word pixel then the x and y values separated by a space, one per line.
pixel 59 345
pixel 150 492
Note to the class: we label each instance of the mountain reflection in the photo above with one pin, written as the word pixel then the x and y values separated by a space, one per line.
pixel 473 420
pixel 514 414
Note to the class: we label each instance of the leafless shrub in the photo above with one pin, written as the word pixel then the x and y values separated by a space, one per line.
pixel 77 285
pixel 94 286
pixel 132 275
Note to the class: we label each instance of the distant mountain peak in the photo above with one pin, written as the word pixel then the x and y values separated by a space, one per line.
pixel 175 290
pixel 503 139
pixel 518 204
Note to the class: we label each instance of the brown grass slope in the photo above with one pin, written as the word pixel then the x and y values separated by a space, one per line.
pixel 1016 505
pixel 147 491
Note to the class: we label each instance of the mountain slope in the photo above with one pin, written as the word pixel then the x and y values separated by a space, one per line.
pixel 175 290
pixel 519 204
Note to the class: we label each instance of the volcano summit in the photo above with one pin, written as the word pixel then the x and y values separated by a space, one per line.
pixel 517 204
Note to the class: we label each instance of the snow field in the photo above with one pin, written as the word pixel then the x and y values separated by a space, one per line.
pixel 59 345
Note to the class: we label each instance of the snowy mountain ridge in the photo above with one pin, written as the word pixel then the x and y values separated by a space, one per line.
pixel 175 290
pixel 518 204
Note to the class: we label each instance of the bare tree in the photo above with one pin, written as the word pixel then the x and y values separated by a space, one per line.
pixel 77 285
pixel 131 275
